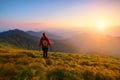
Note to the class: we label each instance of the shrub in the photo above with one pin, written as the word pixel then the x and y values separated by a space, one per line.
pixel 18 56
pixel 40 74
pixel 88 75
pixel 42 61
pixel 19 67
pixel 29 54
pixel 102 76
pixel 8 72
pixel 22 62
pixel 25 75
pixel 61 74
pixel 38 71
pixel 85 62
pixel 4 50
pixel 49 61
pixel 2 60
pixel 106 65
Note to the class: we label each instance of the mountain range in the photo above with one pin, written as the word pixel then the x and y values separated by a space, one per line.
pixel 79 42
pixel 30 40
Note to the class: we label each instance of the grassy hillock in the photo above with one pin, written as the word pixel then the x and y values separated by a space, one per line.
pixel 19 64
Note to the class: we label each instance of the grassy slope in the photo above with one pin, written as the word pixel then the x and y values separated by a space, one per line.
pixel 19 64
pixel 8 46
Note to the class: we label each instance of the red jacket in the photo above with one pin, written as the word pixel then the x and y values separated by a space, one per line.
pixel 41 42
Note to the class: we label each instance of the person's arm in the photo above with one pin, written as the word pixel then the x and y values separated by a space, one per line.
pixel 49 42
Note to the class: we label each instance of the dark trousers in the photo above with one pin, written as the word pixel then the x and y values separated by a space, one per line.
pixel 45 50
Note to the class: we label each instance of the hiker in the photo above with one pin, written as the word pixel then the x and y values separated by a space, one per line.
pixel 45 43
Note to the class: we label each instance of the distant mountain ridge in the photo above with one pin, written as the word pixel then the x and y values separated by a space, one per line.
pixel 11 32
pixel 19 38
pixel 83 42
pixel 27 40
pixel 49 34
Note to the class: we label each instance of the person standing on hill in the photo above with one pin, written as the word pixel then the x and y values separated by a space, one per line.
pixel 45 43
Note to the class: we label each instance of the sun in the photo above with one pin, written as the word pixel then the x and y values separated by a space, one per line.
pixel 101 25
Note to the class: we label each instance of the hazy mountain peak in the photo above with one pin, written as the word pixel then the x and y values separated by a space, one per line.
pixel 13 32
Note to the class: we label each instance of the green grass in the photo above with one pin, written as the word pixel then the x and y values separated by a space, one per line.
pixel 19 64
pixel 7 46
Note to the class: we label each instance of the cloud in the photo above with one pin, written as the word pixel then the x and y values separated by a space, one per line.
pixel 23 25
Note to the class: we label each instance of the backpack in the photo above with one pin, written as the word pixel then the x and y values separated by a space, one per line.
pixel 45 42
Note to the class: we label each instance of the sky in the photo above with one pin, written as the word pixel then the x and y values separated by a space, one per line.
pixel 60 14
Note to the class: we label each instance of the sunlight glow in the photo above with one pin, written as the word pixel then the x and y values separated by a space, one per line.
pixel 101 25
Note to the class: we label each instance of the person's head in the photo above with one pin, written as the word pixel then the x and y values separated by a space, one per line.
pixel 44 34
